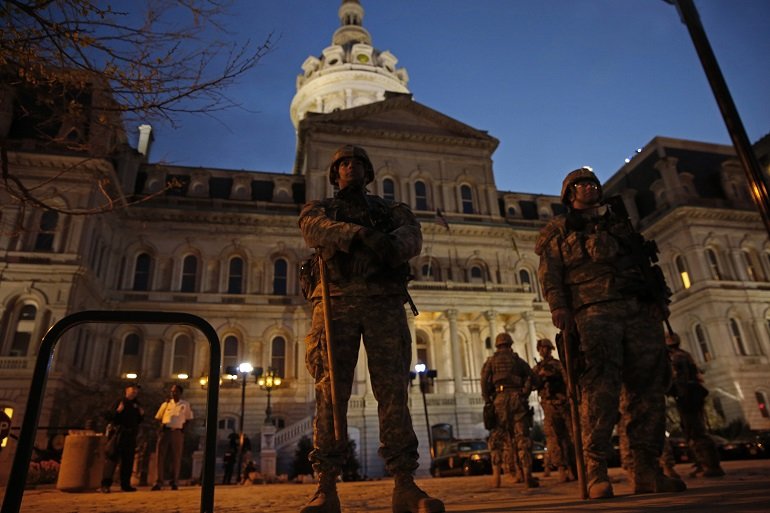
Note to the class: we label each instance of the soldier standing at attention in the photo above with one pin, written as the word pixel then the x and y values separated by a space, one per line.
pixel 507 382
pixel 552 388
pixel 592 282
pixel 687 387
pixel 366 243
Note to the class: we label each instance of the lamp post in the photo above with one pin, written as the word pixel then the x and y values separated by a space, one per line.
pixel 426 377
pixel 267 380
pixel 244 370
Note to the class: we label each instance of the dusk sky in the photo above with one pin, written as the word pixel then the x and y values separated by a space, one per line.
pixel 561 83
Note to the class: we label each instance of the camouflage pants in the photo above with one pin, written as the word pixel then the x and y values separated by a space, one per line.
pixel 514 418
pixel 381 321
pixel 501 450
pixel 692 417
pixel 624 355
pixel 558 432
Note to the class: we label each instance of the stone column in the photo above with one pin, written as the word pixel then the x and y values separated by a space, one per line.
pixel 413 336
pixel 530 318
pixel 457 368
pixel 491 317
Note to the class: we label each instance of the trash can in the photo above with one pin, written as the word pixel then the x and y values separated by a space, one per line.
pixel 81 461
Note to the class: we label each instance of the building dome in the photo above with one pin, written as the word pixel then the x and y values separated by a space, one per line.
pixel 349 73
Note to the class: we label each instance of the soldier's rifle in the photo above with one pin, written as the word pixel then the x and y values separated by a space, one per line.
pixel 572 394
pixel 339 418
pixel 644 254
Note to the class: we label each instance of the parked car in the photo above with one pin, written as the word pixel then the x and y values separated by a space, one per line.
pixel 680 449
pixel 462 458
pixel 739 449
pixel 538 456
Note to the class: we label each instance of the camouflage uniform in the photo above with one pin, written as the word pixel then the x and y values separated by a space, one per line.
pixel 586 269
pixel 367 288
pixel 552 388
pixel 690 396
pixel 507 382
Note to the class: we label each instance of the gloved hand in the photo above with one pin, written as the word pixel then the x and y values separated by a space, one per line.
pixel 381 244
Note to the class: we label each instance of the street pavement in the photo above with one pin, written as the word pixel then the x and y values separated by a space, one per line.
pixel 745 489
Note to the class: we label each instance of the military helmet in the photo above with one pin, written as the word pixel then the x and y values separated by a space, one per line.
pixel 579 175
pixel 544 342
pixel 673 340
pixel 349 151
pixel 503 339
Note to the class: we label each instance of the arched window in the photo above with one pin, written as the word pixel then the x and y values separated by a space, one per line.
pixel 235 276
pixel 711 258
pixel 25 326
pixel 703 345
pixel 735 334
pixel 47 229
pixel 189 273
pixel 131 360
pixel 466 196
pixel 388 189
pixel 280 278
pixel 183 356
pixel 681 268
pixel 525 279
pixel 420 196
pixel 511 212
pixel 430 271
pixel 278 356
pixel 142 272
pixel 751 271
pixel 762 404
pixel 230 352
pixel 476 274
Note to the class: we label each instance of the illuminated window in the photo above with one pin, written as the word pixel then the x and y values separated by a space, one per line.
pixel 737 337
pixel 278 356
pixel 230 352
pixel 189 273
pixel 142 272
pixel 762 404
pixel 711 257
pixel 280 278
pixel 420 196
pixel 681 268
pixel 130 362
pixel 703 346
pixel 8 411
pixel 388 189
pixel 751 271
pixel 466 196
pixel 47 229
pixel 235 276
pixel 183 355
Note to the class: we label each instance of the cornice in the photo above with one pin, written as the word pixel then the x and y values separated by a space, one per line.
pixel 688 215
pixel 58 162
pixel 403 135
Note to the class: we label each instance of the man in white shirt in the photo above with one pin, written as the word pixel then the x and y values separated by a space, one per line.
pixel 173 415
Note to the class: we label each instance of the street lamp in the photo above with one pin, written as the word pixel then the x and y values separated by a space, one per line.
pixel 267 380
pixel 426 380
pixel 244 370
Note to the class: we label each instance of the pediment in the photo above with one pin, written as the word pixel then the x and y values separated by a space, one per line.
pixel 398 115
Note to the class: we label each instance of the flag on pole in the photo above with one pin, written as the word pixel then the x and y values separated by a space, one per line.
pixel 515 247
pixel 441 220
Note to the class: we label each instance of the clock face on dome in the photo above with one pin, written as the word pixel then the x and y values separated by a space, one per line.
pixel 363 58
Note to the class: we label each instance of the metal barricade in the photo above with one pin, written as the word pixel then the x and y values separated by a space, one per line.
pixel 16 481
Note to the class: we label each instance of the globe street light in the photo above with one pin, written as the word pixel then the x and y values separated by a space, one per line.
pixel 426 380
pixel 244 370
pixel 267 380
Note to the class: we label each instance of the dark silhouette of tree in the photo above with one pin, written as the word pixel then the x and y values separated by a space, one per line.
pixel 72 72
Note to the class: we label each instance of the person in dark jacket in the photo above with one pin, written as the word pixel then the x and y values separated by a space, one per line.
pixel 124 418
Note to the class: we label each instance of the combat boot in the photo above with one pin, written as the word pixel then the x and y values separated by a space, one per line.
pixel 495 476
pixel 707 454
pixel 599 486
pixel 564 475
pixel 325 499
pixel 649 478
pixel 409 498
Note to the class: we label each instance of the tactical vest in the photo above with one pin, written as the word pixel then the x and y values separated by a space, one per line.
pixel 505 371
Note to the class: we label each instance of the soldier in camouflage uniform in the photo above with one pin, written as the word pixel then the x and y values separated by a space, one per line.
pixel 507 382
pixel 552 388
pixel 690 394
pixel 366 243
pixel 503 456
pixel 592 282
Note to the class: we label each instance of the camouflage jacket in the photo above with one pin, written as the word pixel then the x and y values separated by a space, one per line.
pixel 505 368
pixel 586 260
pixel 331 226
pixel 551 381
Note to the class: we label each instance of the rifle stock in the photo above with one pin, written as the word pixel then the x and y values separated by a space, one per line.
pixel 572 393
pixel 339 420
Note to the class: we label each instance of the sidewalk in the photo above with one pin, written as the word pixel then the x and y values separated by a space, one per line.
pixel 745 489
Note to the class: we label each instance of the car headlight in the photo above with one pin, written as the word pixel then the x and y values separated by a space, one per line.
pixel 475 457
